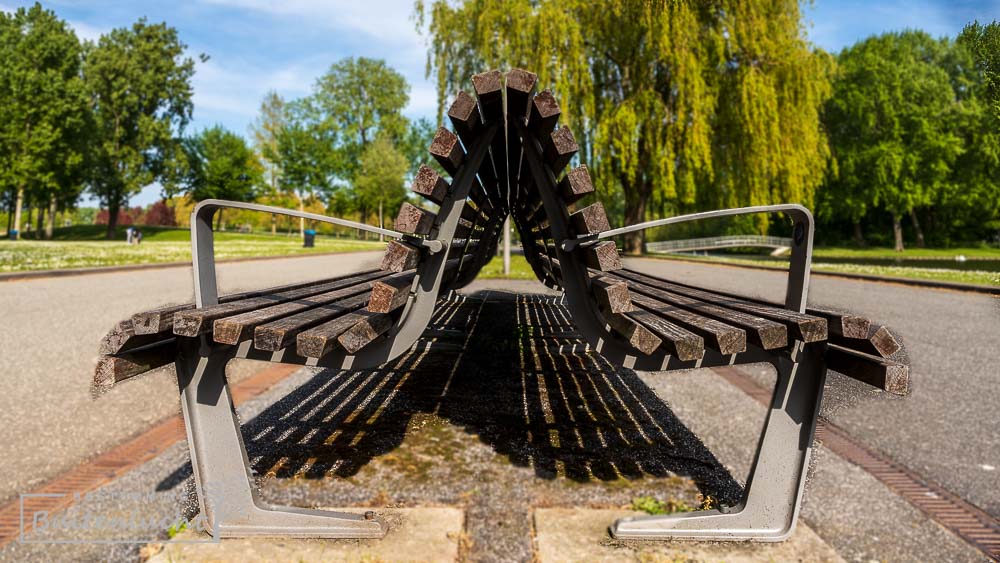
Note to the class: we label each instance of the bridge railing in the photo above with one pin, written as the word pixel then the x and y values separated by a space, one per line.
pixel 709 243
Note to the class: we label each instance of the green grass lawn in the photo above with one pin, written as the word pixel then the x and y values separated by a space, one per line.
pixel 981 277
pixel 909 253
pixel 158 245
pixel 519 269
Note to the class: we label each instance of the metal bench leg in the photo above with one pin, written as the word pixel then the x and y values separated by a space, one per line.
pixel 227 493
pixel 773 492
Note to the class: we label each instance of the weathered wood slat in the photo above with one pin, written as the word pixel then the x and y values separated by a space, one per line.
pixel 464 116
pixel 400 256
pixel 365 331
pixel 802 326
pixel 576 185
pixel 319 341
pixel 237 328
pixel 196 321
pixel 489 90
pixel 881 373
pixel 764 333
pixel 544 114
pixel 640 337
pixel 446 149
pixel 718 336
pixel 414 220
pixel 612 294
pixel 111 370
pixel 161 320
pixel 280 333
pixel 590 219
pixel 520 86
pixel 682 343
pixel 559 148
pixel 390 293
pixel 430 184
pixel 122 338
pixel 880 342
pixel 603 256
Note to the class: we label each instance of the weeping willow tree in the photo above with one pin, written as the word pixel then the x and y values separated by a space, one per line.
pixel 679 105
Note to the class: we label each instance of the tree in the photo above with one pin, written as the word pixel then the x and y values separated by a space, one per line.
pixel 221 166
pixel 43 114
pixel 380 181
pixel 139 84
pixel 677 105
pixel 983 44
pixel 266 129
pixel 889 127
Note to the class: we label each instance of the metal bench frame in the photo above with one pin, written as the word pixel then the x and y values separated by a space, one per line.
pixel 227 492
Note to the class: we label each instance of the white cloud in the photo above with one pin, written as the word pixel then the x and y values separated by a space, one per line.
pixel 85 31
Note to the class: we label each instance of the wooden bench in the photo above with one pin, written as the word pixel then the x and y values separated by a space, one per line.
pixel 506 156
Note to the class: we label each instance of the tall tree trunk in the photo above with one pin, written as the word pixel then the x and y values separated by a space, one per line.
pixel 859 237
pixel 274 224
pixel 897 231
pixel 39 227
pixel 381 223
pixel 218 219
pixel 19 203
pixel 113 207
pixel 635 213
pixel 302 221
pixel 916 228
pixel 51 223
pixel 10 216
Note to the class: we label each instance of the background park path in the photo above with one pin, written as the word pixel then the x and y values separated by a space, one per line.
pixel 49 336
pixel 947 430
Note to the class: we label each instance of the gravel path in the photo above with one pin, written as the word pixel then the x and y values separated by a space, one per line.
pixel 49 337
pixel 948 428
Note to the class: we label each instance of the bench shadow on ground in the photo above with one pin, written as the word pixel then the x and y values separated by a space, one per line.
pixel 509 369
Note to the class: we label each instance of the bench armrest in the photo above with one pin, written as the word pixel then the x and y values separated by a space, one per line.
pixel 802 242
pixel 206 291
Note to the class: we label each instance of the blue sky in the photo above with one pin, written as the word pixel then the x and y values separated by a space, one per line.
pixel 284 45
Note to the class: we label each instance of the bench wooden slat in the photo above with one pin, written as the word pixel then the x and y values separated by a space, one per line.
pixel 464 116
pixel 544 114
pixel 682 343
pixel 881 342
pixel 368 328
pixel 237 328
pixel 414 220
pixel 761 332
pixel 603 256
pixel 576 185
pixel 612 295
pixel 196 321
pixel 446 149
pixel 881 373
pixel 111 370
pixel 802 326
pixel 590 219
pixel 718 336
pixel 400 256
pixel 320 340
pixel 122 338
pixel 390 293
pixel 559 148
pixel 640 337
pixel 430 185
pixel 280 333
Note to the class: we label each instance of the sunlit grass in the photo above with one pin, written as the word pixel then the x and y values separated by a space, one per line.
pixel 519 269
pixel 26 255
pixel 909 253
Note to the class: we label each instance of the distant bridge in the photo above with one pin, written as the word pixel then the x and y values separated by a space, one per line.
pixel 711 243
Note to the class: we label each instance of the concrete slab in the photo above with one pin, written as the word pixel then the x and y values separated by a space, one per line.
pixel 415 534
pixel 581 534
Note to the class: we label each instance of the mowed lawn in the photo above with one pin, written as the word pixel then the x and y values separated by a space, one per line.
pixel 84 247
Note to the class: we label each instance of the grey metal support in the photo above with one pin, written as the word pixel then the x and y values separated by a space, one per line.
pixel 773 493
pixel 227 493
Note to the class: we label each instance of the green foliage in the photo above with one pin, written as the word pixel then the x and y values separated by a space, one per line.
pixel 43 111
pixel 651 505
pixel 221 166
pixel 139 84
pixel 379 182
pixel 983 43
pixel 911 135
pixel 677 105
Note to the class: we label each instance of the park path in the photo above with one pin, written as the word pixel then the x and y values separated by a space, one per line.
pixel 49 336
pixel 948 429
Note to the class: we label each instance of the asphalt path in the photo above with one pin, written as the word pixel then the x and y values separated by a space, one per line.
pixel 49 336
pixel 948 428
